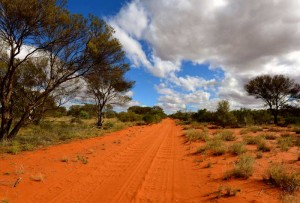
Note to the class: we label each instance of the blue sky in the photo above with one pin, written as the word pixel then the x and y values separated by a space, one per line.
pixel 188 55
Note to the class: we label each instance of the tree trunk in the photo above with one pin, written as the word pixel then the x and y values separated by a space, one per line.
pixel 100 117
pixel 275 118
pixel 6 121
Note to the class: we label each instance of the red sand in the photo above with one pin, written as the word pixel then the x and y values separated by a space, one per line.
pixel 138 164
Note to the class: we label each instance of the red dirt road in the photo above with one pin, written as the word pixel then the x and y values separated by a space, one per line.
pixel 138 164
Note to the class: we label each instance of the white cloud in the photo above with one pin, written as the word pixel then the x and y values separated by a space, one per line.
pixel 244 38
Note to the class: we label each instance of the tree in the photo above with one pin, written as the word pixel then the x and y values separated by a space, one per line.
pixel 275 91
pixel 106 83
pixel 44 48
pixel 223 115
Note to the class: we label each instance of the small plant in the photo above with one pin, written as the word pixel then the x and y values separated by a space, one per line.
pixel 269 136
pixel 252 140
pixel 200 150
pixel 296 130
pixel 6 173
pixel 14 148
pixel 285 143
pixel 237 148
pixel 208 165
pixel 217 146
pixel 255 129
pixel 242 169
pixel 227 191
pixel 38 177
pixel 83 159
pixel 226 135
pixel 278 176
pixel 244 131
pixel 262 146
pixel 194 135
pixel 259 155
pixel 4 201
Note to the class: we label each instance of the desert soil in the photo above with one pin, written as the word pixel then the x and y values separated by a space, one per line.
pixel 138 164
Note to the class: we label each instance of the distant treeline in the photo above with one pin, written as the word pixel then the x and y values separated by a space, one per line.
pixel 142 115
pixel 240 118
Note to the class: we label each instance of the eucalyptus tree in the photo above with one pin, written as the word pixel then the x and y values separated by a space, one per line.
pixel 45 48
pixel 275 91
pixel 106 83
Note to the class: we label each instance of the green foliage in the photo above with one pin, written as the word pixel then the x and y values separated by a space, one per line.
pixel 237 148
pixel 242 169
pixel 287 181
pixel 285 143
pixel 226 135
pixel 217 146
pixel 223 116
pixel 275 91
pixel 194 135
pixel 252 140
pixel 263 146
pixel 129 117
pixel 269 136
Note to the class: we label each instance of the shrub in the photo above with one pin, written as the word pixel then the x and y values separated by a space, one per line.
pixel 255 129
pixel 237 148
pixel 242 169
pixel 278 176
pixel 226 135
pixel 84 115
pixel 262 146
pixel 296 130
pixel 217 146
pixel 194 135
pixel 244 131
pixel 259 155
pixel 108 125
pixel 269 136
pixel 251 140
pixel 285 143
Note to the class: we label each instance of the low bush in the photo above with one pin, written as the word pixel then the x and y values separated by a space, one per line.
pixel 269 136
pixel 263 146
pixel 194 135
pixel 237 148
pixel 217 146
pixel 226 135
pixel 242 169
pixel 287 181
pixel 252 140
pixel 285 143
pixel 255 129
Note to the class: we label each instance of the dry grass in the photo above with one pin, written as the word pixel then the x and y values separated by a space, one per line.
pixel 278 176
pixel 242 169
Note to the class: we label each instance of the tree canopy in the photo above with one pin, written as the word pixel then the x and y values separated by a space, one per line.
pixel 44 50
pixel 275 91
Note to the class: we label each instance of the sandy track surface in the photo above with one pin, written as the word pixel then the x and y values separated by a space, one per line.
pixel 139 164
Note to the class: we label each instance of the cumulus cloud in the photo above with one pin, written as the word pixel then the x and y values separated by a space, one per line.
pixel 244 38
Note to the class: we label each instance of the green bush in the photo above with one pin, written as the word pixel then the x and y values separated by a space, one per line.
pixel 194 135
pixel 278 176
pixel 269 136
pixel 262 146
pixel 285 143
pixel 242 169
pixel 252 140
pixel 217 146
pixel 237 148
pixel 129 117
pixel 226 135
pixel 84 115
